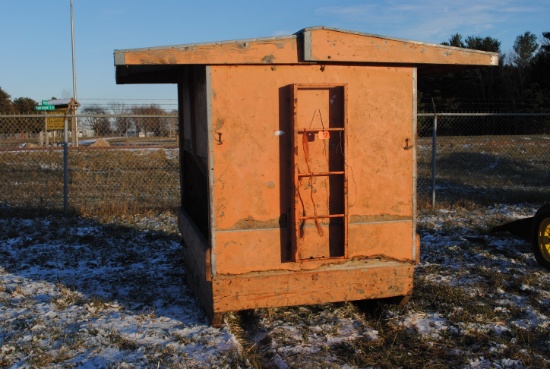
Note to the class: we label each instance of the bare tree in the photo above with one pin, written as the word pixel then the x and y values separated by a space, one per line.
pixel 150 122
pixel 97 120
pixel 122 125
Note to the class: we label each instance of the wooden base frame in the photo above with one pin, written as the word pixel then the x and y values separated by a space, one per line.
pixel 343 280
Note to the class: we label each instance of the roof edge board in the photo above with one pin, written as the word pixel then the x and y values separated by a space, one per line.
pixel 120 58
pixel 317 44
pixel 389 38
pixel 127 56
pixel 352 46
pixel 211 43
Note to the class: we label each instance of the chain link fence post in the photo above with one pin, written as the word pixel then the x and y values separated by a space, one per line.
pixel 434 156
pixel 66 167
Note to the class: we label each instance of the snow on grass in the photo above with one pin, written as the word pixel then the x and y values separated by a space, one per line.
pixel 80 293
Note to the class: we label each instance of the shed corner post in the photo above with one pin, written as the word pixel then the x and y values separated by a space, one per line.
pixel 211 179
pixel 415 238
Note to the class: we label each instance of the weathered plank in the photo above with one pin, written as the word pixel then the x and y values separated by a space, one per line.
pixel 331 45
pixel 273 50
pixel 355 280
pixel 197 262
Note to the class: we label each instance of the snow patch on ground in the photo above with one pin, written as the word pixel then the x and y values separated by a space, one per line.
pixel 77 293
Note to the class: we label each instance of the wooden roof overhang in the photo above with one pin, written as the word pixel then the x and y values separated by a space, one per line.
pixel 318 45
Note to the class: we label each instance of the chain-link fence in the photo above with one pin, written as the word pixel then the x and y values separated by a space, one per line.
pixel 483 157
pixel 129 163
pixel 121 164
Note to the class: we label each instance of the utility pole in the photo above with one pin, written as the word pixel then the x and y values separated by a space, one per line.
pixel 74 121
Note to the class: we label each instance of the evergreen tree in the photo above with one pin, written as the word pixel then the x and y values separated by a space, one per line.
pixel 24 105
pixel 525 47
pixel 469 90
pixel 5 102
pixel 539 86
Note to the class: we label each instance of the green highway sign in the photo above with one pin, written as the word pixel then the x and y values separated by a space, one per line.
pixel 45 107
pixel 45 102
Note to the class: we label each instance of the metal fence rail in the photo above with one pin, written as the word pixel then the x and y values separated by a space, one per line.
pixel 125 164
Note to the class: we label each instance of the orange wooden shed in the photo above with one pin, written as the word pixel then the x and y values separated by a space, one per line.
pixel 298 163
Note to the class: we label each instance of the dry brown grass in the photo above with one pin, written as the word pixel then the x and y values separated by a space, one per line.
pixel 128 179
pixel 485 170
pixel 101 181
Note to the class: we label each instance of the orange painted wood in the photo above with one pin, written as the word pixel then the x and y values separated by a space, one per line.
pixel 347 282
pixel 252 174
pixel 330 45
pixel 385 239
pixel 258 250
pixel 251 166
pixel 253 250
pixel 318 44
pixel 258 51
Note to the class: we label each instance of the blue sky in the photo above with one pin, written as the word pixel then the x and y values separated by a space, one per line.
pixel 35 52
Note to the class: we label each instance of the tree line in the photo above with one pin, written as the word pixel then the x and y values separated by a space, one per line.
pixel 21 105
pixel 116 119
pixel 520 83
pixel 123 120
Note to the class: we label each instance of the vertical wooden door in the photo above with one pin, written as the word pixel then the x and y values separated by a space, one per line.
pixel 319 203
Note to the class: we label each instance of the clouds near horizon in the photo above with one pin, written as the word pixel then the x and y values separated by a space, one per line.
pixel 433 20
